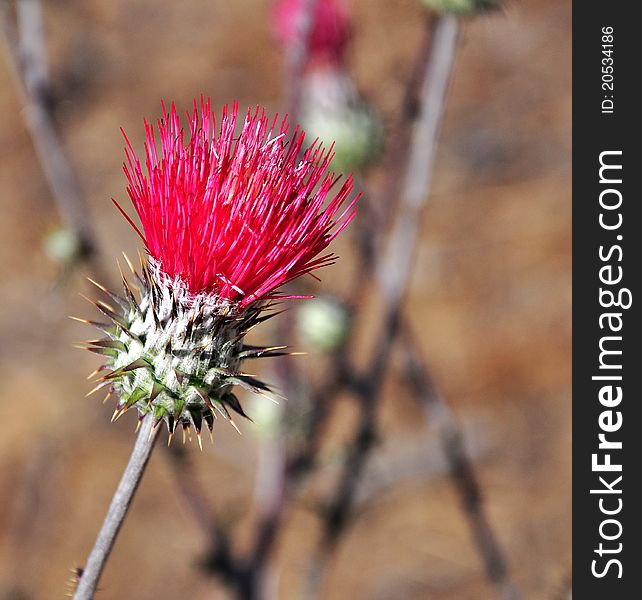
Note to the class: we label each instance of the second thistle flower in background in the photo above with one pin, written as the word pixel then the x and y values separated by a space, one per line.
pixel 331 107
pixel 226 221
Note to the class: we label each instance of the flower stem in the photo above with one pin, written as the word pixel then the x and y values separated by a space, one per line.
pixel 117 510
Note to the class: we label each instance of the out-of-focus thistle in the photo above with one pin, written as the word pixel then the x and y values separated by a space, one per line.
pixel 330 34
pixel 323 323
pixel 333 110
pixel 63 246
pixel 331 107
pixel 460 7
pixel 226 221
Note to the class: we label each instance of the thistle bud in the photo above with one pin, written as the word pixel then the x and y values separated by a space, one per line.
pixel 62 246
pixel 266 417
pixel 333 111
pixel 323 323
pixel 460 7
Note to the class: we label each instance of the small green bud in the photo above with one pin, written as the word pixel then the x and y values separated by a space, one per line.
pixel 355 130
pixel 62 246
pixel 333 111
pixel 460 7
pixel 267 417
pixel 323 323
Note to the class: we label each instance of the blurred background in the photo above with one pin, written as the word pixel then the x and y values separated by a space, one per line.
pixel 488 304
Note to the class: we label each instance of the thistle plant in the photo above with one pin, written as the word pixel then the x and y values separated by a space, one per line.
pixel 226 221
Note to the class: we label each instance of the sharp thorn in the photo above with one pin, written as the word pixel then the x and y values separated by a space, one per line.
pixel 83 321
pixel 101 304
pixel 120 270
pixel 86 298
pixel 102 288
pixel 129 263
pixel 96 388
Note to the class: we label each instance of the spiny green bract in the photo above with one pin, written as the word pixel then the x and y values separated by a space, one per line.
pixel 175 353
pixel 460 6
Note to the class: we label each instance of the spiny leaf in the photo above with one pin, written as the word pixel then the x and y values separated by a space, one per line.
pixel 110 314
pixel 249 383
pixel 209 419
pixel 115 297
pixel 220 408
pixel 106 327
pixel 233 402
pixel 158 412
pixel 157 388
pixel 204 396
pixel 133 303
pixel 197 418
pixel 171 425
pixel 101 351
pixel 115 344
pixel 261 351
pixel 139 363
pixel 137 395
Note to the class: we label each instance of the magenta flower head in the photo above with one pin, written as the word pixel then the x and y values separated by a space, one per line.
pixel 226 221
pixel 330 34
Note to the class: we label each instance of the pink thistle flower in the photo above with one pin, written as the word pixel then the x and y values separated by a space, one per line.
pixel 236 217
pixel 226 221
pixel 331 29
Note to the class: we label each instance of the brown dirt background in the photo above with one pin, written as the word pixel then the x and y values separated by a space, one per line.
pixel 490 302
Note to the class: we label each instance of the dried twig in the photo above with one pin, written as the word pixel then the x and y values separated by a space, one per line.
pixel 393 277
pixel 296 57
pixel 383 201
pixel 440 417
pixel 219 557
pixel 373 221
pixel 33 51
pixel 27 56
pixel 26 53
pixel 274 480
pixel 117 509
